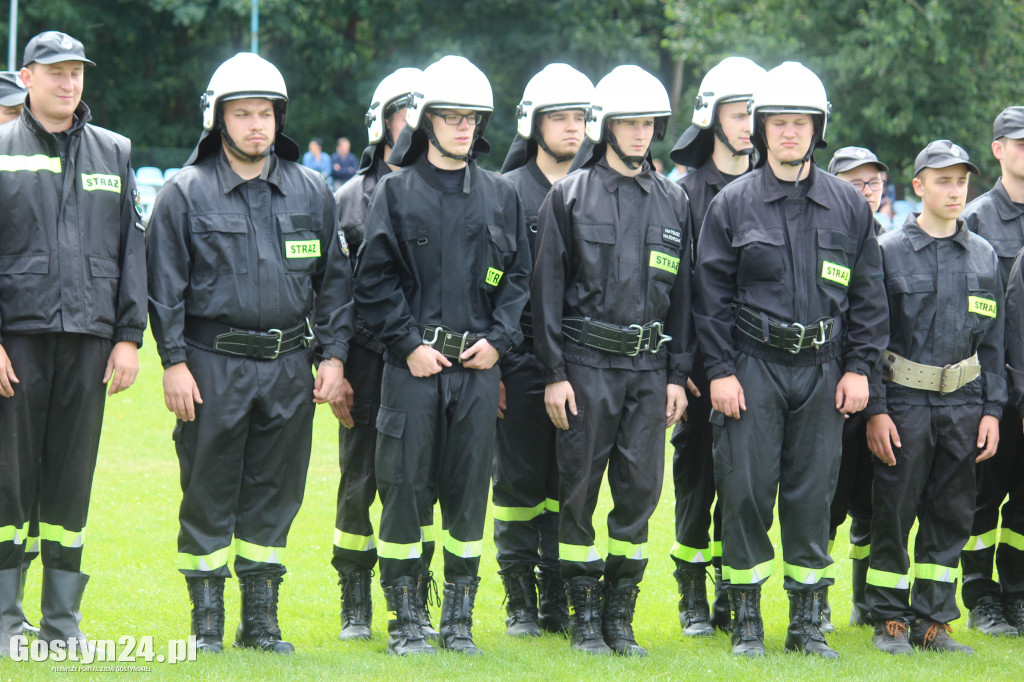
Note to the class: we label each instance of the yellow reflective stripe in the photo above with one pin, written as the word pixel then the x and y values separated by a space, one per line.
pixel 808 576
pixel 304 248
pixel 981 306
pixel 630 550
pixel 34 163
pixel 58 534
pixel 353 542
pixel 716 548
pixel 860 551
pixel 831 545
pixel 551 505
pixel 894 581
pixel 209 562
pixel 467 550
pixel 32 545
pixel 834 272
pixel 14 534
pixel 493 276
pixel 942 574
pixel 578 553
pixel 1011 538
pixel 517 513
pixel 983 541
pixel 691 555
pixel 748 576
pixel 427 533
pixel 259 553
pixel 399 551
pixel 663 261
pixel 107 183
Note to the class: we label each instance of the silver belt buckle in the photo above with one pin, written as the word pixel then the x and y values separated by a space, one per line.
pixel 947 387
pixel 432 341
pixel 819 340
pixel 799 342
pixel 639 339
pixel 307 334
pixel 663 338
pixel 462 345
pixel 280 336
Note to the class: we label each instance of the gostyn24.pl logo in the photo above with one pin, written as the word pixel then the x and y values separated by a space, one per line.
pixel 126 649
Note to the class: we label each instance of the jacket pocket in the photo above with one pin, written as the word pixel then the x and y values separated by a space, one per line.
pixel 762 256
pixel 300 243
pixel 30 264
pixel 663 259
pixel 390 458
pixel 220 244
pixel 500 247
pixel 834 264
pixel 912 300
pixel 982 307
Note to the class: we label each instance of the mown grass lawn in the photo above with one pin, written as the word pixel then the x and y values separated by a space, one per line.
pixel 136 590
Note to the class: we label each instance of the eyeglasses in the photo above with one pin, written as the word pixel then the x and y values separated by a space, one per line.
pixel 873 185
pixel 473 118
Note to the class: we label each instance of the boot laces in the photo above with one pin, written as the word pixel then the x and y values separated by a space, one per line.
pixel 936 631
pixel 896 629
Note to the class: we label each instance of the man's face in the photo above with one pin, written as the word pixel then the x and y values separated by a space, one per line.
pixel 455 138
pixel 395 123
pixel 8 114
pixel 735 122
pixel 54 89
pixel 1010 154
pixel 562 131
pixel 343 147
pixel 943 191
pixel 314 146
pixel 788 136
pixel 862 177
pixel 633 135
pixel 251 123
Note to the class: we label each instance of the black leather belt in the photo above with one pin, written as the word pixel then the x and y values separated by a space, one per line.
pixel 526 325
pixel 248 343
pixel 612 338
pixel 793 337
pixel 447 342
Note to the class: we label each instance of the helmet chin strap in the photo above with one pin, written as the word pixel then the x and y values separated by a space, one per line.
pixel 720 134
pixel 559 158
pixel 632 162
pixel 801 162
pixel 251 158
pixel 428 128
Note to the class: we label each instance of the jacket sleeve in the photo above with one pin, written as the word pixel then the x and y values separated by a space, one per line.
pixel 876 387
pixel 679 320
pixel 512 295
pixel 335 311
pixel 715 290
pixel 168 262
pixel 131 292
pixel 991 353
pixel 547 291
pixel 867 320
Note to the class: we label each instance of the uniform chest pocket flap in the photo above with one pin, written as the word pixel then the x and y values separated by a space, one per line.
pixel 300 243
pixel 833 261
pixel 500 247
pixel 761 254
pixel 912 299
pixel 981 298
pixel 220 243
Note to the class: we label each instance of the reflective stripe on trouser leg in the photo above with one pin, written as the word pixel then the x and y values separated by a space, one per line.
pixel 693 478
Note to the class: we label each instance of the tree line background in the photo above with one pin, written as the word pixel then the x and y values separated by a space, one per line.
pixel 899 73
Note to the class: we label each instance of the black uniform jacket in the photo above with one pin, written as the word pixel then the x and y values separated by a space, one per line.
pixel 251 254
pixel 1001 222
pixel 72 247
pixel 1015 333
pixel 822 262
pixel 945 305
pixel 703 185
pixel 432 257
pixel 613 248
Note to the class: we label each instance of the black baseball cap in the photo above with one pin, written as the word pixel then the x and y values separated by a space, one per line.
pixel 942 154
pixel 1009 123
pixel 50 47
pixel 849 158
pixel 12 90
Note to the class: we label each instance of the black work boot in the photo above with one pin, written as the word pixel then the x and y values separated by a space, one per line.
pixel 892 637
pixel 258 627
pixel 617 621
pixel 405 637
pixel 1013 611
pixel 860 614
pixel 804 633
pixel 425 585
pixel 721 612
pixel 521 601
pixel 747 628
pixel 26 625
pixel 826 626
pixel 988 618
pixel 456 626
pixel 11 617
pixel 928 634
pixel 61 606
pixel 207 595
pixel 584 596
pixel 694 612
pixel 356 605
pixel 553 613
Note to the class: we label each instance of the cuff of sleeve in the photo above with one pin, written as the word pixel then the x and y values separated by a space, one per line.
pixel 722 370
pixel 334 350
pixel 994 410
pixel 677 378
pixel 551 376
pixel 406 346
pixel 172 357
pixel 858 367
pixel 876 406
pixel 501 343
pixel 128 334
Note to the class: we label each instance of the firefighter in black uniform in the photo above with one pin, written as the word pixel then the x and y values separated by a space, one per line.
pixel 717 146
pixel 551 126
pixel 72 316
pixel 240 243
pixel 998 608
pixel 862 169
pixel 355 553
pixel 613 334
pixel 791 317
pixel 938 412
pixel 442 280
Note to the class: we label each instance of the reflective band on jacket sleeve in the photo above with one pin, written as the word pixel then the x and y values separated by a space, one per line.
pixel 66 538
pixel 209 562
pixel 352 542
pixel 259 553
pixel 35 163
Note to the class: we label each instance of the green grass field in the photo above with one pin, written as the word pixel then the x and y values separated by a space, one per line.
pixel 135 590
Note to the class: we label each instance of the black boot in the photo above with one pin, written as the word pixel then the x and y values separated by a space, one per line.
pixel 207 595
pixel 721 613
pixel 826 626
pixel 694 613
pixel 26 625
pixel 584 595
pixel 356 605
pixel 1013 611
pixel 860 613
pixel 521 601
pixel 11 617
pixel 457 615
pixel 892 637
pixel 987 617
pixel 61 606
pixel 617 621
pixel 804 632
pixel 553 612
pixel 258 628
pixel 933 636
pixel 425 585
pixel 405 638
pixel 747 628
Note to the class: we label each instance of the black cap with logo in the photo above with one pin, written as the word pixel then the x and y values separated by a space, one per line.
pixel 849 158
pixel 51 47
pixel 942 154
pixel 1009 123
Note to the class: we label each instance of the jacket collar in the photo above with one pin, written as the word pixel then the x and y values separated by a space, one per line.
pixel 1008 210
pixel 919 238
pixel 612 178
pixel 229 179
pixel 775 189
pixel 82 116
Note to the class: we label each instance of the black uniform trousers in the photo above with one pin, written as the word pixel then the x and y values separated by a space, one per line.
pixel 787 442
pixel 525 493
pixel 853 488
pixel 997 478
pixel 435 442
pixel 693 473
pixel 243 461
pixel 49 439
pixel 621 427
pixel 933 481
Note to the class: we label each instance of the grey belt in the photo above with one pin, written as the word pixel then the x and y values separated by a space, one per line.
pixel 945 380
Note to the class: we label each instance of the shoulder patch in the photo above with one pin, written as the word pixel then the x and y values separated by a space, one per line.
pixel 137 200
pixel 343 242
pixel 671 236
